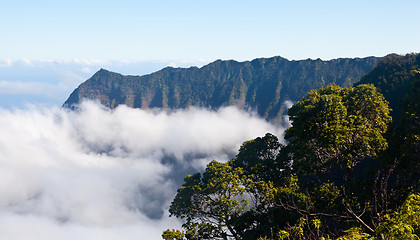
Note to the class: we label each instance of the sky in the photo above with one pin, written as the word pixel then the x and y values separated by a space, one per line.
pixel 47 48
pixel 188 30
pixel 102 174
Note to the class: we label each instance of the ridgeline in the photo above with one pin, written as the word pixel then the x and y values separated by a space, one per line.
pixel 263 84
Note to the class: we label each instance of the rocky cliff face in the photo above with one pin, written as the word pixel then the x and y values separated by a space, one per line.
pixel 263 84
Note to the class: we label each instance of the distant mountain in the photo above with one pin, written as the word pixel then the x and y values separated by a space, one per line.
pixel 263 84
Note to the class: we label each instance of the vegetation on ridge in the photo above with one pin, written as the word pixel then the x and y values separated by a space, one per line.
pixel 342 175
pixel 347 172
pixel 392 76
pixel 263 84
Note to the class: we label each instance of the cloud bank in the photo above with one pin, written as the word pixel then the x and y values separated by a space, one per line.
pixel 107 174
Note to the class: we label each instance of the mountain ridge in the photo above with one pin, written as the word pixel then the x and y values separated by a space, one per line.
pixel 263 84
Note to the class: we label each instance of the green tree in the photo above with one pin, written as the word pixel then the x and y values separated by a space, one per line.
pixel 336 136
pixel 211 201
pixel 267 169
pixel 404 223
pixel 407 140
pixel 401 224
pixel 173 235
pixel 259 158
pixel 319 185
pixel 392 76
pixel 235 199
pixel 355 233
pixel 337 126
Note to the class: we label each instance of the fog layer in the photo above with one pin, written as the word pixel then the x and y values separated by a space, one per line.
pixel 107 174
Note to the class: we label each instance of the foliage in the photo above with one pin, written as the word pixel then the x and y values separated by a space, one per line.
pixel 259 158
pixel 234 199
pixel 210 202
pixel 405 223
pixel 173 235
pixel 337 126
pixel 355 233
pixel 401 224
pixel 330 182
pixel 336 137
pixel 392 76
pixel 407 136
pixel 397 78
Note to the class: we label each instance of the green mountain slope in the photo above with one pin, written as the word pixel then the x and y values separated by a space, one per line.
pixel 398 79
pixel 263 84
pixel 392 77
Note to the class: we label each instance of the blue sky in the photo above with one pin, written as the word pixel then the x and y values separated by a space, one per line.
pixel 191 30
pixel 62 43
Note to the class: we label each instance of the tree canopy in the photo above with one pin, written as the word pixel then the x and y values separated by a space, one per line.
pixel 331 181
pixel 338 126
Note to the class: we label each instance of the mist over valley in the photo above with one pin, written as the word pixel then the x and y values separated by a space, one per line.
pixel 109 173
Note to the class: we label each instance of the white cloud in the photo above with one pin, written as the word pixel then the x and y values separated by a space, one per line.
pixel 90 62
pixel 27 61
pixel 286 120
pixel 5 62
pixel 14 226
pixel 107 174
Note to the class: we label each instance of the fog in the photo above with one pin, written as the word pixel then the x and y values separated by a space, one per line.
pixel 107 174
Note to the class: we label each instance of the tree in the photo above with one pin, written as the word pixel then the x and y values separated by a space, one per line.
pixel 173 235
pixel 337 126
pixel 404 223
pixel 335 139
pixel 211 201
pixel 267 168
pixel 407 137
pixel 234 199
pixel 319 185
pixel 392 76
pixel 259 158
